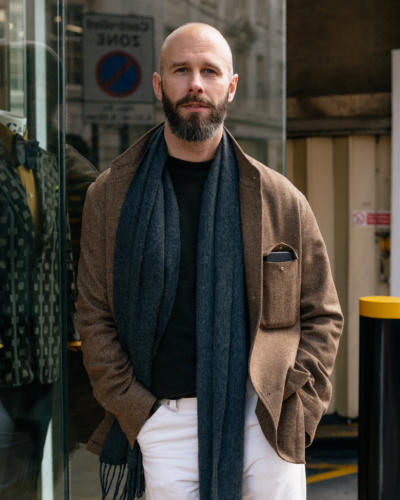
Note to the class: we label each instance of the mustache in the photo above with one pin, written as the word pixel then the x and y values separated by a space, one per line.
pixel 192 98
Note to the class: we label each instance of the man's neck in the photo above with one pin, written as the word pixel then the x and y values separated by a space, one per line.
pixel 191 151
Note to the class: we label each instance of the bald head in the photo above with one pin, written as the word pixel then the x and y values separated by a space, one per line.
pixel 198 36
pixel 196 83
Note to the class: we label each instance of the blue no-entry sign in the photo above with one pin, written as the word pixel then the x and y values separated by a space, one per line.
pixel 118 63
pixel 118 74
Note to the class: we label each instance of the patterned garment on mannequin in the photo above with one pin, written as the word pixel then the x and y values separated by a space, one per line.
pixel 29 288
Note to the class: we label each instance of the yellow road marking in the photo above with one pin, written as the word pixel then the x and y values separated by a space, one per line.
pixel 338 471
pixel 351 433
pixel 323 466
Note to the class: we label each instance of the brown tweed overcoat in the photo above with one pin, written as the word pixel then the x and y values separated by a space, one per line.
pixel 295 319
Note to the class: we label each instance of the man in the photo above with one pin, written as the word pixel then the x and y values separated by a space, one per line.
pixel 207 311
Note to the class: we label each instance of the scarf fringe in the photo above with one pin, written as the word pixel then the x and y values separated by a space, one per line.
pixel 112 478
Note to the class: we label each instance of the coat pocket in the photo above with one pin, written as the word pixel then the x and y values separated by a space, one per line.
pixel 280 291
pixel 295 380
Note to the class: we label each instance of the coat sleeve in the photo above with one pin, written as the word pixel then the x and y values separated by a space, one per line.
pixel 109 369
pixel 321 326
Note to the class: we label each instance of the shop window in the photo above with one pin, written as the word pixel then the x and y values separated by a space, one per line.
pixel 31 243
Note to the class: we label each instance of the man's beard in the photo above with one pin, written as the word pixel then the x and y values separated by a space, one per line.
pixel 194 128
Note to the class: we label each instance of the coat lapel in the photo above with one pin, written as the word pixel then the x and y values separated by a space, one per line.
pixel 121 174
pixel 123 169
pixel 251 216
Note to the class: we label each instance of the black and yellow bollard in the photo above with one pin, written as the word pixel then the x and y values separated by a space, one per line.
pixel 379 423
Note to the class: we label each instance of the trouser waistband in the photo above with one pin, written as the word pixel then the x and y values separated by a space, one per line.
pixel 191 403
pixel 180 404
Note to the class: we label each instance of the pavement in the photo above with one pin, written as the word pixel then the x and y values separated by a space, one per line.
pixel 340 488
pixel 332 477
pixel 332 461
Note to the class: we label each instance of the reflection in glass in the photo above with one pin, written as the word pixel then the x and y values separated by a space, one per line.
pixel 30 329
pixel 255 31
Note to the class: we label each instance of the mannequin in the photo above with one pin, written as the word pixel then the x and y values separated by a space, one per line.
pixel 15 123
pixel 12 129
pixel 29 313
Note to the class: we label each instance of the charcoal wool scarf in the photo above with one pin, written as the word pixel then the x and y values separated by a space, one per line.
pixel 146 267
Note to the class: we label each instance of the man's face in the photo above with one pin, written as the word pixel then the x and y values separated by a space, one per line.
pixel 196 84
pixel 193 126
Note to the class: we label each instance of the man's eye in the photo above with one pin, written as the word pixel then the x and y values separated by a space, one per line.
pixel 210 71
pixel 181 70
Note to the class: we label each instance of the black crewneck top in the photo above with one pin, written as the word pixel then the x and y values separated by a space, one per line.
pixel 174 366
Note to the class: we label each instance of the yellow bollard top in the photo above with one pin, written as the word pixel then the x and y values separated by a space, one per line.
pixel 380 307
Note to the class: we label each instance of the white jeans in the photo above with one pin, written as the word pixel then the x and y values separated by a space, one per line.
pixel 168 441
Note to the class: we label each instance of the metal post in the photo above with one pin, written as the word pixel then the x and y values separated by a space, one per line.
pixel 395 222
pixel 379 431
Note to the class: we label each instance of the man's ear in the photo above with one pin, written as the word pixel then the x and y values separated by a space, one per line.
pixel 232 87
pixel 157 86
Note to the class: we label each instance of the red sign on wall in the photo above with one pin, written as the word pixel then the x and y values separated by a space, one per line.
pixel 363 218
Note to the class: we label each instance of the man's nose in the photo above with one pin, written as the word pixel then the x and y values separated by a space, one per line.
pixel 195 84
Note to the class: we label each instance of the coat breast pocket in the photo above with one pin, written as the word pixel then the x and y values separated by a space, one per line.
pixel 280 288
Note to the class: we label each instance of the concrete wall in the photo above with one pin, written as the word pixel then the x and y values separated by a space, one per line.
pixel 340 175
pixel 339 148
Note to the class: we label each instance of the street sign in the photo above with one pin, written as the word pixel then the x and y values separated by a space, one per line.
pixel 118 64
pixel 118 74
